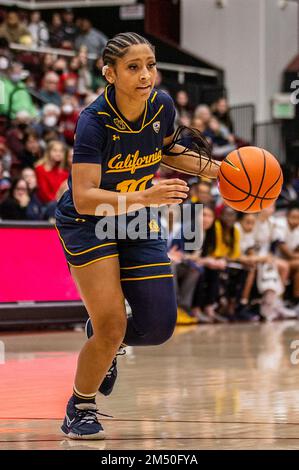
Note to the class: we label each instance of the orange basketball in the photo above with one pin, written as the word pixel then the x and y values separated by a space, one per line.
pixel 250 179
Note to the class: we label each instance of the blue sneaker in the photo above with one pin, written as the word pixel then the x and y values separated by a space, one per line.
pixel 107 385
pixel 81 421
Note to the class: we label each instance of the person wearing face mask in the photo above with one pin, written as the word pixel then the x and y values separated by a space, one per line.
pixel 4 64
pixel 70 85
pixel 16 92
pixel 68 118
pixel 60 67
pixel 49 119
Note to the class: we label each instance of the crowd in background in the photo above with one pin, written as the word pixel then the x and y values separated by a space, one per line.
pixel 247 268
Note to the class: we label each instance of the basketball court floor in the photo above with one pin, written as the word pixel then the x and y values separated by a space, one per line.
pixel 209 387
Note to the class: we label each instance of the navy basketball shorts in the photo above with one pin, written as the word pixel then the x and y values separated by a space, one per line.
pixel 139 259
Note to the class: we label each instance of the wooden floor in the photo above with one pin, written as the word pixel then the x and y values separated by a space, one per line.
pixel 209 387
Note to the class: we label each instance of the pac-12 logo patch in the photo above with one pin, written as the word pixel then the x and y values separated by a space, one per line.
pixel 156 126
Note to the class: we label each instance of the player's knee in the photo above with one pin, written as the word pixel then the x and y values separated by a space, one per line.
pixel 162 330
pixel 111 327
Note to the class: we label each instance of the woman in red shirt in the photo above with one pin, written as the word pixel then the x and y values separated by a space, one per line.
pixel 50 171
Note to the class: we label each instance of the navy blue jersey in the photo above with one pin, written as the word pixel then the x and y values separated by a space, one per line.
pixel 129 153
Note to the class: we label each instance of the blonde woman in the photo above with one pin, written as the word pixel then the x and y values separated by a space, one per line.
pixel 50 171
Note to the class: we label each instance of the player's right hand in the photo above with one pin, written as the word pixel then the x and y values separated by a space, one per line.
pixel 172 191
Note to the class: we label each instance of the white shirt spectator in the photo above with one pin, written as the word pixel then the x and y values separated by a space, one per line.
pixel 39 34
pixel 266 232
pixel 247 239
pixel 288 236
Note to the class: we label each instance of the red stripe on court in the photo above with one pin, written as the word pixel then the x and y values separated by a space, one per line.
pixel 37 387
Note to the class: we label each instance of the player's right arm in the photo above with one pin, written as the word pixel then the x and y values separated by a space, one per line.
pixel 89 199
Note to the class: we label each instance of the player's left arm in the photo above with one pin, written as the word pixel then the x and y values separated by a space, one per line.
pixel 196 160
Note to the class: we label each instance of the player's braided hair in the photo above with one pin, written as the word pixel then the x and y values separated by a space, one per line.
pixel 118 45
pixel 192 140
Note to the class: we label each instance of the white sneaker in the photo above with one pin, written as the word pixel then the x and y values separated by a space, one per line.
pixel 284 312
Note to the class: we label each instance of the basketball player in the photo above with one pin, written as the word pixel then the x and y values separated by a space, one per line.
pixel 121 139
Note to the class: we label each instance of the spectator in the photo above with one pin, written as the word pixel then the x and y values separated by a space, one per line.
pixel 289 248
pixel 228 235
pixel 28 174
pixel 68 118
pixel 38 30
pixel 268 231
pixel 185 118
pixel 204 195
pixel 185 271
pixel 288 192
pixel 16 93
pixel 36 210
pixel 49 120
pixel 228 247
pixel 97 79
pixel 296 179
pixel 84 76
pixel 198 123
pixel 69 28
pixel 60 67
pixel 5 50
pixel 50 171
pixel 70 84
pixel 203 112
pixel 250 259
pixel 90 37
pixel 223 142
pixel 220 110
pixel 47 63
pixel 5 57
pixel 171 223
pixel 15 135
pixel 14 207
pixel 159 85
pixel 32 150
pixel 246 224
pixel 56 33
pixel 4 183
pixel 12 29
pixel 90 97
pixel 5 157
pixel 68 166
pixel 192 195
pixel 182 102
pixel 49 92
pixel 207 290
